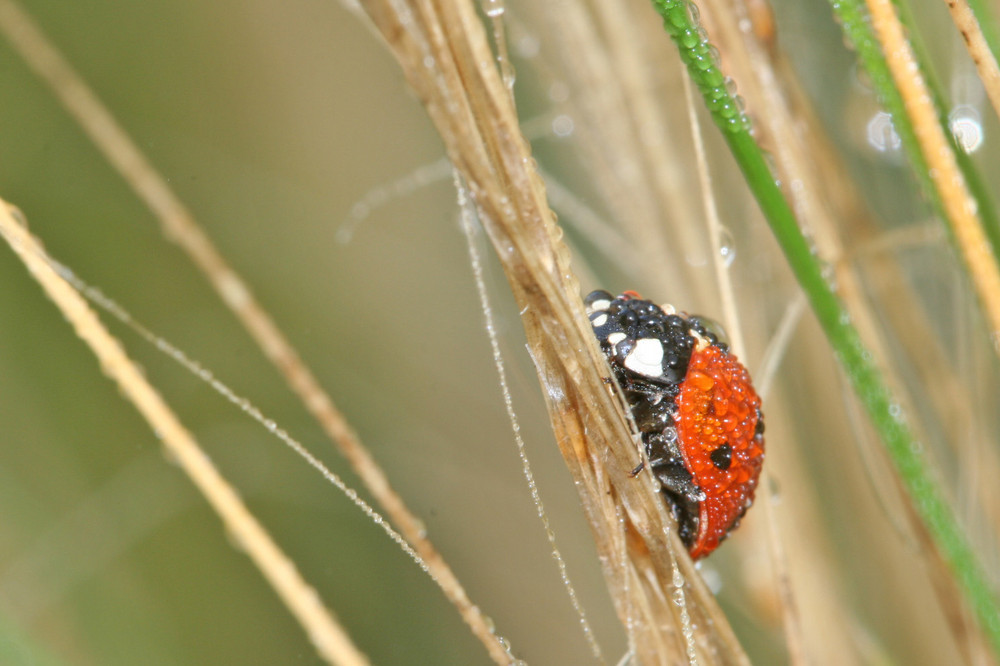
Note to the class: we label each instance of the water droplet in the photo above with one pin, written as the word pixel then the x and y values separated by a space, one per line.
pixel 562 125
pixel 343 235
pixel 17 216
pixel 882 134
pixel 829 274
pixel 712 578
pixel 528 46
pixel 168 454
pixel 965 124
pixel 727 247
pixel 694 15
pixel 494 8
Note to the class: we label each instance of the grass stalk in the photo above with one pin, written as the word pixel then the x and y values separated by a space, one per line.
pixel 857 361
pixel 979 50
pixel 671 617
pixel 326 634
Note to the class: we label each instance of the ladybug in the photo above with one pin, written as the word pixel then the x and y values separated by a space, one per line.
pixel 694 405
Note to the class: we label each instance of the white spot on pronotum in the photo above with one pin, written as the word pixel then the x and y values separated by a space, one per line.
pixel 647 358
pixel 615 338
pixel 668 308
pixel 600 320
pixel 602 304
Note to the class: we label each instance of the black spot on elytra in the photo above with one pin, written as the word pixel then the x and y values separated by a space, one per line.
pixel 722 457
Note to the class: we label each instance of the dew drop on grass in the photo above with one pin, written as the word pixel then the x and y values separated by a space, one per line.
pixel 527 46
pixel 168 454
pixel 562 125
pixel 712 579
pixel 881 133
pixel 494 8
pixel 694 15
pixel 965 125
pixel 775 488
pixel 727 247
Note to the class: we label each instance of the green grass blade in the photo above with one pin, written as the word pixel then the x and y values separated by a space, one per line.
pixel 866 379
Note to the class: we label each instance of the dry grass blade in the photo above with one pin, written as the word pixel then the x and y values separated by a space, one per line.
pixel 179 225
pixel 979 50
pixel 444 53
pixel 331 641
pixel 959 205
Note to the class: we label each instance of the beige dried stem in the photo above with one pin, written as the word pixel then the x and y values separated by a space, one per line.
pixel 615 58
pixel 329 638
pixel 443 50
pixel 989 73
pixel 179 225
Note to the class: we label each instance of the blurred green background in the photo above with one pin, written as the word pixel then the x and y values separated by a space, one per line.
pixel 270 120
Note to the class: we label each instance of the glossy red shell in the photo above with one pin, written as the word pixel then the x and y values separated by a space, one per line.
pixel 717 406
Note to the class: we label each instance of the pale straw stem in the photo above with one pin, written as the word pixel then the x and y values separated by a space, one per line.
pixel 979 50
pixel 329 638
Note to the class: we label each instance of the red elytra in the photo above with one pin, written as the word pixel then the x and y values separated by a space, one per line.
pixel 718 408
